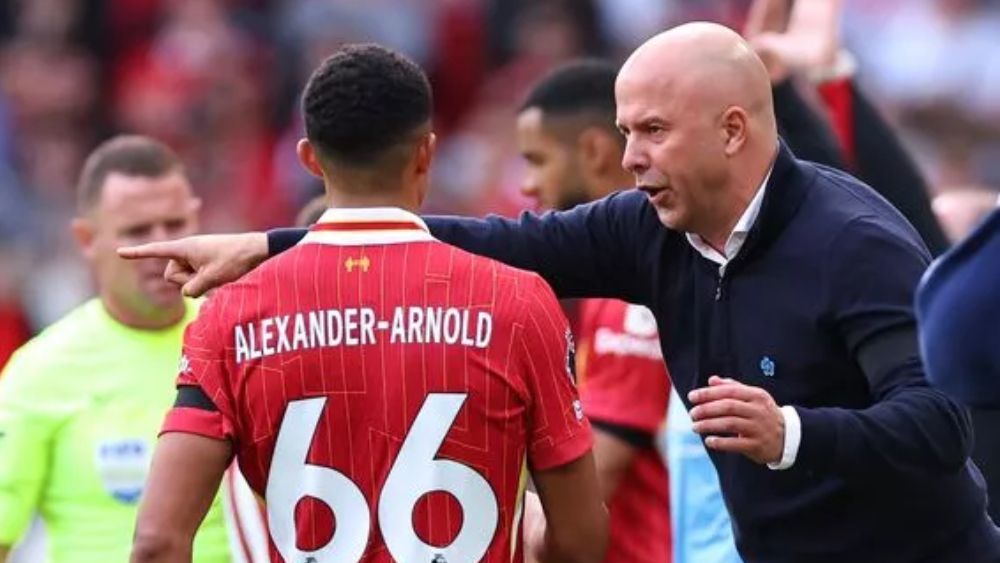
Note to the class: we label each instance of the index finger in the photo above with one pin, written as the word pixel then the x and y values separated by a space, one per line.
pixel 174 249
pixel 732 390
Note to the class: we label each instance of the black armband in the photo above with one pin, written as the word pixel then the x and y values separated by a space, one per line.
pixel 193 397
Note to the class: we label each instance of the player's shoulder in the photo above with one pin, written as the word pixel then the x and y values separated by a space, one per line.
pixel 513 282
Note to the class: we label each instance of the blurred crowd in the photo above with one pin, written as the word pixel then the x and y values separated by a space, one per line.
pixel 219 80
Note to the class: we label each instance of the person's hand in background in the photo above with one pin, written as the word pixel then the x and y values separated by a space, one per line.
pixel 809 44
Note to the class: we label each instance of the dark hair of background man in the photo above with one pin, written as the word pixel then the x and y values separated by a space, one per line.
pixel 362 101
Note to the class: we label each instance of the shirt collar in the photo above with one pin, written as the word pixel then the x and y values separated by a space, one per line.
pixel 739 234
pixel 369 225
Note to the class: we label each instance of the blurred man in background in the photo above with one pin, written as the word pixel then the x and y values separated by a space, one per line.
pixel 81 403
pixel 566 134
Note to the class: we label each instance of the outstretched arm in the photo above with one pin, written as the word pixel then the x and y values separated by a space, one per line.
pixel 589 251
pixel 593 250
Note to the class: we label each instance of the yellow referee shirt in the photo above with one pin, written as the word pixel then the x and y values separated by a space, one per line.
pixel 80 408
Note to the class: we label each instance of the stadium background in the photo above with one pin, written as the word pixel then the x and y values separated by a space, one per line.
pixel 219 79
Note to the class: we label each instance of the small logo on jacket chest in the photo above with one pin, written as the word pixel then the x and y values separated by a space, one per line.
pixel 767 366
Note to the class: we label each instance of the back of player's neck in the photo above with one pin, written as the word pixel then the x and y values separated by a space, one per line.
pixel 380 198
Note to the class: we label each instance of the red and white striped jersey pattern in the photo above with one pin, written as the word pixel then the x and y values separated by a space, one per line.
pixel 386 392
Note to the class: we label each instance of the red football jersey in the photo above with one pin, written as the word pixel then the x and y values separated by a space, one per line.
pixel 623 382
pixel 385 393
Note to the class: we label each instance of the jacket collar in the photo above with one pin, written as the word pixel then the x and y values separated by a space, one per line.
pixel 786 189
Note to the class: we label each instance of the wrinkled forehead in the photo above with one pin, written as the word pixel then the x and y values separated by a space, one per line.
pixel 673 89
pixel 638 94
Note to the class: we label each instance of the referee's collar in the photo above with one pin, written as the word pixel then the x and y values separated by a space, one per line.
pixel 368 225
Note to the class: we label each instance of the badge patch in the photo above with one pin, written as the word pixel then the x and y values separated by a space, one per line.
pixel 122 466
pixel 767 366
pixel 184 365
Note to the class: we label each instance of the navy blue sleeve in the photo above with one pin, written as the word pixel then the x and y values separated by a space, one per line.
pixel 909 427
pixel 958 306
pixel 592 250
pixel 280 240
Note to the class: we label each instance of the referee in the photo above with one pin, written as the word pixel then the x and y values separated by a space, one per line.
pixel 80 404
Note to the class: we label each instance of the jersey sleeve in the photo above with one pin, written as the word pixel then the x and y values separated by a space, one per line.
pixel 28 422
pixel 558 433
pixel 203 405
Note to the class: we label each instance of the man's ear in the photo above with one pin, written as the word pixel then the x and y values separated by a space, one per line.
pixel 599 152
pixel 84 234
pixel 734 129
pixel 420 166
pixel 425 153
pixel 308 157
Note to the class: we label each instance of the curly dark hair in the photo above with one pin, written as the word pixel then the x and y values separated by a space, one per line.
pixel 362 101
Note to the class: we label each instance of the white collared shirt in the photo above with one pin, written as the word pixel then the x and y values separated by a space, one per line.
pixel 400 226
pixel 734 243
pixel 736 238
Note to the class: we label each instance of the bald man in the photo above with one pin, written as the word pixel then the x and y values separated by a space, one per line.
pixel 783 295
